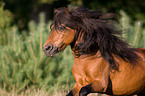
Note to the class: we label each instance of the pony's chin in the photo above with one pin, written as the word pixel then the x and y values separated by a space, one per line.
pixel 51 55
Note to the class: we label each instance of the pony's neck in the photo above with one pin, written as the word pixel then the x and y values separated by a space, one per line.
pixel 95 56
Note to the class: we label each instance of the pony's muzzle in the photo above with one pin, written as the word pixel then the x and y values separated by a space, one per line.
pixel 50 50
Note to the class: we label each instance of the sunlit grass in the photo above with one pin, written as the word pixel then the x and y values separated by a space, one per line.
pixel 39 92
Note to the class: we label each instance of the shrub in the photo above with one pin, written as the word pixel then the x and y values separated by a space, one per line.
pixel 5 21
pixel 133 33
pixel 24 63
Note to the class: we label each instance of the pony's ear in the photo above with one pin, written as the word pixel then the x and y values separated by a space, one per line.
pixel 66 10
pixel 55 10
pixel 62 8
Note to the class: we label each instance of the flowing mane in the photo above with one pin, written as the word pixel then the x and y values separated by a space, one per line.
pixel 98 31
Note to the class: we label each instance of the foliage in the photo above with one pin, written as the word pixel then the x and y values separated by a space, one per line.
pixel 135 33
pixel 24 64
pixel 5 21
pixel 24 10
pixel 131 7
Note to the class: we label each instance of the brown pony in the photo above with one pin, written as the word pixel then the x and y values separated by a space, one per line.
pixel 103 63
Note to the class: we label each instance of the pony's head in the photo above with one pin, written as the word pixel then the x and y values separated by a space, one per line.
pixel 87 32
pixel 58 40
pixel 61 34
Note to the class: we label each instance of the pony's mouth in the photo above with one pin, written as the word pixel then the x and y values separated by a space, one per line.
pixel 50 51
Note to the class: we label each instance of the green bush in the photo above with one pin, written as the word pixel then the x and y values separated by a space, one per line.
pixel 5 21
pixel 24 64
pixel 134 34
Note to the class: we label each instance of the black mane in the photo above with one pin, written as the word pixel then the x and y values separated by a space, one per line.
pixel 99 33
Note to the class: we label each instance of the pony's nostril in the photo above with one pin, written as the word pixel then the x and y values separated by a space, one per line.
pixel 47 48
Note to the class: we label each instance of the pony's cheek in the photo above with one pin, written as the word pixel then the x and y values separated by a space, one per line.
pixel 69 38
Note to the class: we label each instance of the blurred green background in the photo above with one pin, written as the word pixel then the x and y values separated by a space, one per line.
pixel 24 27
